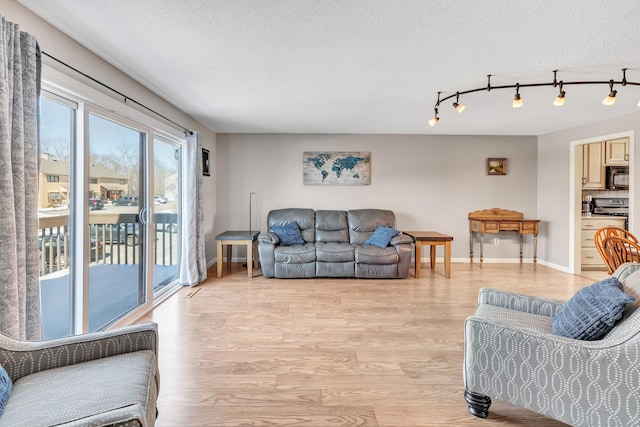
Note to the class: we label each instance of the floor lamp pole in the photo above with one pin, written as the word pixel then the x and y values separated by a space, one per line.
pixel 250 195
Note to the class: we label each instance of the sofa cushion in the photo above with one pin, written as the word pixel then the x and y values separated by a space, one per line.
pixel 334 252
pixel 591 313
pixel 382 236
pixel 369 254
pixel 289 234
pixel 100 392
pixel 332 226
pixel 304 217
pixel 5 388
pixel 363 222
pixel 295 254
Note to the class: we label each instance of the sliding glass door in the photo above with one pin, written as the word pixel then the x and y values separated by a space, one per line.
pixel 109 209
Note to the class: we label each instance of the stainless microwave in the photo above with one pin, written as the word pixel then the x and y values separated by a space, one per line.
pixel 617 177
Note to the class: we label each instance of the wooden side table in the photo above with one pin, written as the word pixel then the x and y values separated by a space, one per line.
pixel 433 239
pixel 230 238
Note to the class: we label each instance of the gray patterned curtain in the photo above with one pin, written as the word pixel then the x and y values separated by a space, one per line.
pixel 19 90
pixel 193 265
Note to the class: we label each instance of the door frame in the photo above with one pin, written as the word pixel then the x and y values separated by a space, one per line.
pixel 575 195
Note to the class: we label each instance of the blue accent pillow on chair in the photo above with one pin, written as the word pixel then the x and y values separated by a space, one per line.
pixel 592 312
pixel 5 388
pixel 289 234
pixel 382 236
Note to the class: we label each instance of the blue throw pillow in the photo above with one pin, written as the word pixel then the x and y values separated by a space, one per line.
pixel 591 313
pixel 5 388
pixel 289 234
pixel 382 236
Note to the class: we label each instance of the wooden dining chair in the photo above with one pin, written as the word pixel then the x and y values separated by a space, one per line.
pixel 618 250
pixel 605 232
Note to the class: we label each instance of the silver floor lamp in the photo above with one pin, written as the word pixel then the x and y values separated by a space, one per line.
pixel 250 196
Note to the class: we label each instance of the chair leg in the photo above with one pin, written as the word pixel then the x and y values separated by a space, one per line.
pixel 478 404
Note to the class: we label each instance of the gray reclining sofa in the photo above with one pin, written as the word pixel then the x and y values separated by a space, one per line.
pixel 333 245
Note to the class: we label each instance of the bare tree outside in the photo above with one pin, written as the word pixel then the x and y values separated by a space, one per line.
pixel 123 160
pixel 162 170
pixel 57 148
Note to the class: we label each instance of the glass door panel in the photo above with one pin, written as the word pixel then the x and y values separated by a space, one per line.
pixel 57 122
pixel 166 201
pixel 115 198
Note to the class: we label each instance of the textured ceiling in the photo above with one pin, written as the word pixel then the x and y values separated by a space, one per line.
pixel 365 66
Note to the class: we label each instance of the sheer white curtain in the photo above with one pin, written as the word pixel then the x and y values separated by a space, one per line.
pixel 193 266
pixel 19 276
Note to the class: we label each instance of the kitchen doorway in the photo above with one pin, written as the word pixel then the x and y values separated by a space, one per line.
pixel 591 160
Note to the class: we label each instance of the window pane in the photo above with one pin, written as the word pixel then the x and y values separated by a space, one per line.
pixel 56 133
pixel 116 236
pixel 166 170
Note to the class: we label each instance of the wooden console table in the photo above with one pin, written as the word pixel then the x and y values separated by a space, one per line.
pixel 496 220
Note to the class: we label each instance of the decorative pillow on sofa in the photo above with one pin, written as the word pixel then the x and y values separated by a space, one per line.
pixel 5 388
pixel 591 313
pixel 382 236
pixel 289 234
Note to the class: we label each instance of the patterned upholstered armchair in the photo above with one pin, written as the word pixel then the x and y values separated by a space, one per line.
pixel 511 355
pixel 104 378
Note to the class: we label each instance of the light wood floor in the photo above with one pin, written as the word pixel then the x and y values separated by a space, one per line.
pixel 333 352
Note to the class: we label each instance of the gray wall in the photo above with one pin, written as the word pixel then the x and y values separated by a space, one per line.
pixel 431 182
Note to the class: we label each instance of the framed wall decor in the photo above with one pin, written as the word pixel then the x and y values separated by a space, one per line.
pixel 205 162
pixel 496 166
pixel 335 168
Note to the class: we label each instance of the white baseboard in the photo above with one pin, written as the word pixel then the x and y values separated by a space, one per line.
pixel 476 260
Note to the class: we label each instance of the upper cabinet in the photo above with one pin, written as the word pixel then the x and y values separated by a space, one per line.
pixel 593 169
pixel 616 152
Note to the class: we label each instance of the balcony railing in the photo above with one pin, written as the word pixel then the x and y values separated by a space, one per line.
pixel 114 239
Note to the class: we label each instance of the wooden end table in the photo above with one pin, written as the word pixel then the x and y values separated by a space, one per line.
pixel 433 239
pixel 230 238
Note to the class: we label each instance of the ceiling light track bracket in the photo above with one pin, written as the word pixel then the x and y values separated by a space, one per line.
pixel 609 100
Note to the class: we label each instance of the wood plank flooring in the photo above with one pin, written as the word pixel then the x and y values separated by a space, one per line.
pixel 333 352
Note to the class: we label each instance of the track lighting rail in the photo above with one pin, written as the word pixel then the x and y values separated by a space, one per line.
pixel 609 100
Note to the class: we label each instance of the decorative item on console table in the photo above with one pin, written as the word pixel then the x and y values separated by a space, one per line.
pixel 496 220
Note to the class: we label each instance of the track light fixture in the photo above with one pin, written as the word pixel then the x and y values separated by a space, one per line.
pixel 611 98
pixel 435 119
pixel 459 107
pixel 559 101
pixel 517 100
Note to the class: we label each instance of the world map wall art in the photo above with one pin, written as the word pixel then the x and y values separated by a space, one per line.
pixel 336 168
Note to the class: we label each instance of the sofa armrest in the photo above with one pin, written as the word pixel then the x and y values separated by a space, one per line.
pixel 404 245
pixel 625 270
pixel 22 358
pixel 267 243
pixel 268 237
pixel 529 304
pixel 401 239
